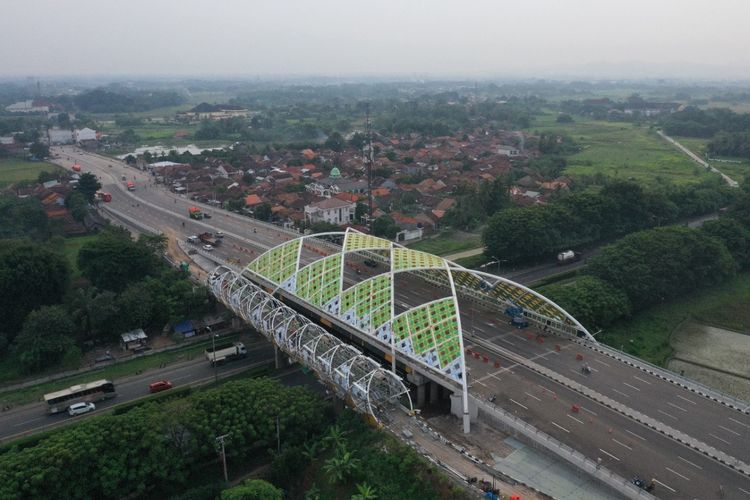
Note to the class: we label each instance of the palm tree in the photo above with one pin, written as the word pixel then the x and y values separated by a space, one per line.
pixel 343 465
pixel 81 306
pixel 365 492
pixel 310 451
pixel 335 437
pixel 313 493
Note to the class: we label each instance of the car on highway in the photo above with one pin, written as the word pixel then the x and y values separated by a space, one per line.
pixel 206 216
pixel 370 263
pixel 159 385
pixel 80 408
pixel 208 248
pixel 219 234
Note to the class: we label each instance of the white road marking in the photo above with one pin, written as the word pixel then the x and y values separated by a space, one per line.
pixel 519 404
pixel 689 462
pixel 632 386
pixel 717 437
pixel 532 396
pixel 601 362
pixel 577 372
pixel 729 430
pixel 636 435
pixel 744 490
pixel 677 473
pixel 642 380
pixel 666 486
pixel 738 422
pixel 667 414
pixel 686 399
pixel 678 407
pixel 506 341
pixel 577 420
pixel 590 411
pixel 622 444
pixel 620 392
pixel 480 383
pixel 27 421
pixel 609 454
pixel 560 427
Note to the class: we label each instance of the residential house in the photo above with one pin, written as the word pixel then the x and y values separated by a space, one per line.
pixel 330 210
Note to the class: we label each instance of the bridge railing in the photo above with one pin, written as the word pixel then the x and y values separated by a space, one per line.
pixel 563 451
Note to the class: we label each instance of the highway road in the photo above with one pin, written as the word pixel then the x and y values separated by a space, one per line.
pixel 626 446
pixel 34 417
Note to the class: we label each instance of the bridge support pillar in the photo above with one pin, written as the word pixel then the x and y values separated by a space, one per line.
pixel 421 395
pixel 277 359
pixel 434 391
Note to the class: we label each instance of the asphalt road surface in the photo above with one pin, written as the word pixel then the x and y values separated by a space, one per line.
pixel 34 417
pixel 624 445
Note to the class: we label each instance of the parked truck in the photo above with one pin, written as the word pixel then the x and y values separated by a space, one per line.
pixel 226 352
pixel 568 257
pixel 209 239
pixel 195 213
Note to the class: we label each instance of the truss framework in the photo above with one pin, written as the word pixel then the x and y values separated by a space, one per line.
pixel 356 378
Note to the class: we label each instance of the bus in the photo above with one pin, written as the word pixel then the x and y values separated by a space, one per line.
pixel 92 391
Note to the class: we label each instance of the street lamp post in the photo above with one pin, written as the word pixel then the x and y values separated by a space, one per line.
pixel 220 440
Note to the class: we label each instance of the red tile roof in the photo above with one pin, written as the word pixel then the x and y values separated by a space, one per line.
pixel 252 199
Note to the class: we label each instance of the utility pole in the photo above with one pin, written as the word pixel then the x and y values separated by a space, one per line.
pixel 368 156
pixel 213 353
pixel 278 436
pixel 220 440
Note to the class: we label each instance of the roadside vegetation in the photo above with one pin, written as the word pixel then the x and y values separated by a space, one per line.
pixel 287 435
pixel 16 170
pixel 447 242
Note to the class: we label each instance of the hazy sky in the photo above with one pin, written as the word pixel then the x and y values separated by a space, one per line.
pixel 456 38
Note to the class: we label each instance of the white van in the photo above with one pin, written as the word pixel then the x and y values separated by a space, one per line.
pixel 80 408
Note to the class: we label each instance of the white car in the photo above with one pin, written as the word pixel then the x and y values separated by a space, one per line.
pixel 208 248
pixel 219 234
pixel 80 408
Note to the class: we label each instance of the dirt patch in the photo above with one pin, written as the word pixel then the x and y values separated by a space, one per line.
pixel 713 356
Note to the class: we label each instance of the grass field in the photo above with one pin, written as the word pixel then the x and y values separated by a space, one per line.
pixel 647 334
pixel 15 170
pixel 622 150
pixel 447 242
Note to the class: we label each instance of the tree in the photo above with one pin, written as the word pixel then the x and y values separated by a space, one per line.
pixel 365 492
pixel 63 120
pixel 31 276
pixel 323 227
pixel 45 176
pixel 39 150
pixel 360 211
pixel 335 142
pixel 23 218
pixel 590 300
pixel 253 489
pixel 564 118
pixel 113 261
pixel 341 466
pixel 655 265
pixel 77 205
pixel 263 212
pixel 385 226
pixel 88 185
pixel 248 178
pixel 46 336
pixel 734 236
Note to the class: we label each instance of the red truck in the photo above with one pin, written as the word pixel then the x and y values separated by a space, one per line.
pixel 102 196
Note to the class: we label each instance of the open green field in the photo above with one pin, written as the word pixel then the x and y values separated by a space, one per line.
pixel 15 170
pixel 622 150
pixel 447 242
pixel 736 168
pixel 647 334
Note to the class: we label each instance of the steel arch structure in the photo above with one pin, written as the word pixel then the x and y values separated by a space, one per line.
pixel 312 269
pixel 354 377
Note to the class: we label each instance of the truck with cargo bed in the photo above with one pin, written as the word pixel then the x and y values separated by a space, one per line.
pixel 226 352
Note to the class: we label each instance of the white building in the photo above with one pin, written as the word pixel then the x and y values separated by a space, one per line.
pixel 57 136
pixel 26 107
pixel 85 134
pixel 508 151
pixel 332 210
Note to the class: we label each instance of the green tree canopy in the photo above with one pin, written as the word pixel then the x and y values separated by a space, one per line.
pixel 385 226
pixel 253 489
pixel 77 204
pixel 734 236
pixel 114 261
pixel 592 301
pixel 655 265
pixel 23 218
pixel 88 185
pixel 30 276
pixel 46 336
